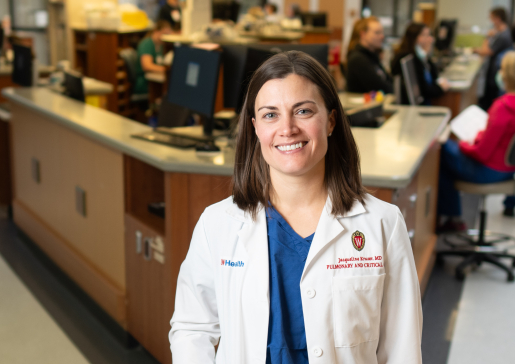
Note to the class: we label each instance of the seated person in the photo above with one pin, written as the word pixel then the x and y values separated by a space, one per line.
pixel 365 72
pixel 292 19
pixel 483 161
pixel 171 12
pixel 419 42
pixel 498 40
pixel 271 15
pixel 150 55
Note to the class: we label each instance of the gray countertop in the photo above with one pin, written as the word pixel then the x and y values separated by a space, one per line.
pixel 7 69
pixel 390 155
pixel 462 71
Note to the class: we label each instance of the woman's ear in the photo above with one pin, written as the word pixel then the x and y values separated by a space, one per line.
pixel 332 121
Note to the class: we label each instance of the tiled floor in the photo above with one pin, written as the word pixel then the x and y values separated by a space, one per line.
pixel 28 334
pixel 485 324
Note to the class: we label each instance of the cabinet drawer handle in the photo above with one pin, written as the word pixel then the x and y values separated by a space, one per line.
pixel 147 249
pixel 139 237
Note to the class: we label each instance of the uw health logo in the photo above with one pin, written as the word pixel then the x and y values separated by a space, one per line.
pixel 358 240
pixel 228 263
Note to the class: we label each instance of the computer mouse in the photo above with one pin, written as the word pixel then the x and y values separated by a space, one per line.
pixel 207 147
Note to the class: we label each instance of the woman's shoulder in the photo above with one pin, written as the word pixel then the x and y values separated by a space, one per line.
pixel 503 105
pixel 379 209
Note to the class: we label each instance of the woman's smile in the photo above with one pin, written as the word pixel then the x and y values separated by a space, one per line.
pixel 290 148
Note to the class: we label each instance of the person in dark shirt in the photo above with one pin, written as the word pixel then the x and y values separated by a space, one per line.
pixel 171 12
pixel 365 72
pixel 418 41
pixel 497 42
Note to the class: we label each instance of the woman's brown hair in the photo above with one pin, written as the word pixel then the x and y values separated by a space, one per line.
pixel 251 180
pixel 361 25
pixel 410 38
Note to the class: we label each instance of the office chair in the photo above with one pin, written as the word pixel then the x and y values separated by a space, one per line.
pixel 130 58
pixel 479 245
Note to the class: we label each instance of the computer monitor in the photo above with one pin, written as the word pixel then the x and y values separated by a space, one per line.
pixel 409 76
pixel 73 86
pixel 22 65
pixel 445 34
pixel 235 59
pixel 224 10
pixel 194 81
pixel 172 115
pixel 314 19
pixel 1 40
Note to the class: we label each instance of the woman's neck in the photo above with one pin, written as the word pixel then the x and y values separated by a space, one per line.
pixel 290 193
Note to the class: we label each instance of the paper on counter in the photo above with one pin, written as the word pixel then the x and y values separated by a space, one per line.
pixel 459 84
pixel 469 122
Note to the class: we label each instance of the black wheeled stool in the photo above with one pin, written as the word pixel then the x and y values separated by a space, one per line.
pixel 480 245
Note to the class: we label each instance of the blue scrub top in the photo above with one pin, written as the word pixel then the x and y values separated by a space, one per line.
pixel 288 252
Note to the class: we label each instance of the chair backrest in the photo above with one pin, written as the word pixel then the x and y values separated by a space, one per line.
pixel 130 57
pixel 510 153
pixel 409 76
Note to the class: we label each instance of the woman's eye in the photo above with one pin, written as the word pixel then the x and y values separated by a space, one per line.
pixel 303 112
pixel 269 115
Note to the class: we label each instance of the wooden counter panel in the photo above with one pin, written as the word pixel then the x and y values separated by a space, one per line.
pixel 67 160
pixel 102 290
pixel 418 203
pixel 149 298
pixel 5 164
pixel 425 225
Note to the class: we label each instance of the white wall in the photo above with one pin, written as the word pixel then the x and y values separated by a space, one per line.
pixel 469 12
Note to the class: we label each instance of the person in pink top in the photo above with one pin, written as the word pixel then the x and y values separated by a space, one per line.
pixel 484 160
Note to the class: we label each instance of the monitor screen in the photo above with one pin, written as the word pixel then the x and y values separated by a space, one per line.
pixel 22 65
pixel 445 34
pixel 409 76
pixel 194 80
pixel 73 86
pixel 235 59
pixel 314 19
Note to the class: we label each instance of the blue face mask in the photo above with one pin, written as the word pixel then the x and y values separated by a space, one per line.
pixel 499 81
pixel 421 53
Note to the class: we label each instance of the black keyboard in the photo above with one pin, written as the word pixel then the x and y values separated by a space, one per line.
pixel 166 139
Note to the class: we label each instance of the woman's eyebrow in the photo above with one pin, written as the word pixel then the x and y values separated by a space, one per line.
pixel 268 107
pixel 294 106
pixel 303 102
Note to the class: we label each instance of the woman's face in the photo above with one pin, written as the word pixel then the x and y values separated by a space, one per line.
pixel 425 40
pixel 292 125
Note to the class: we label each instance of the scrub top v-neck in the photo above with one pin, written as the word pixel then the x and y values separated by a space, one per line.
pixel 288 252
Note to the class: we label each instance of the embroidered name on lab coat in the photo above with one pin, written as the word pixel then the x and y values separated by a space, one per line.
pixel 358 262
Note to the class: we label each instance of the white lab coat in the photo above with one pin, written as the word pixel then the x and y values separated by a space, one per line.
pixel 352 314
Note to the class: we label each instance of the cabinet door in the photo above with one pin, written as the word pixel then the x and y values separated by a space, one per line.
pixel 149 292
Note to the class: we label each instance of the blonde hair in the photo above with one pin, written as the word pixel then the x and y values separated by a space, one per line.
pixel 508 70
pixel 361 25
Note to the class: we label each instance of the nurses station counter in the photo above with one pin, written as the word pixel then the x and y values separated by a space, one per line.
pixel 463 75
pixel 82 187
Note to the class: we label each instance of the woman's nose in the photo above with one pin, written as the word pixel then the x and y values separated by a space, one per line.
pixel 288 126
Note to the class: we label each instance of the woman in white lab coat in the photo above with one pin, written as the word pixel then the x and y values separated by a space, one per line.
pixel 300 264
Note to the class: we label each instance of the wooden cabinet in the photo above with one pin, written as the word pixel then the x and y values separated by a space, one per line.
pixel 5 164
pixel 155 247
pixel 97 55
pixel 417 203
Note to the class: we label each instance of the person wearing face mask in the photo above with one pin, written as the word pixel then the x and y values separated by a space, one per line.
pixel 300 265
pixel 497 41
pixel 418 41
pixel 365 72
pixel 483 161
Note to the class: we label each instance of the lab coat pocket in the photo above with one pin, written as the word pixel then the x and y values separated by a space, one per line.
pixel 356 309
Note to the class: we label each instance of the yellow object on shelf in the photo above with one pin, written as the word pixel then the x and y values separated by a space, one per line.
pixel 137 19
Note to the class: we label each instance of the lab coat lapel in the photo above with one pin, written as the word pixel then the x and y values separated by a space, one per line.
pixel 329 228
pixel 255 290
